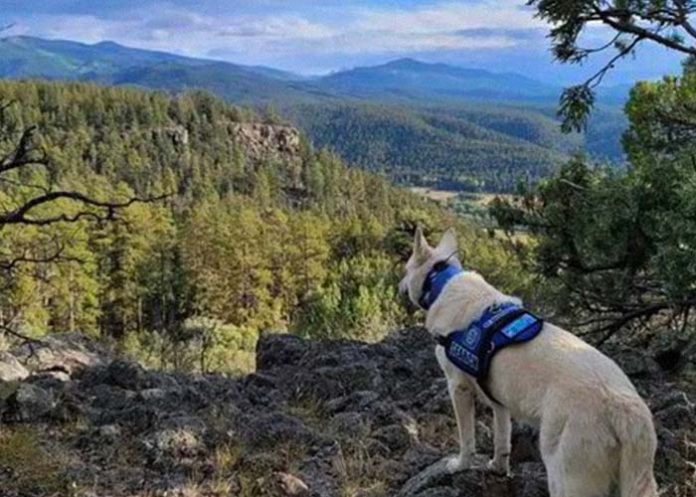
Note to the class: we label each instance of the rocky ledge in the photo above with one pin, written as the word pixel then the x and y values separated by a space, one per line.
pixel 262 141
pixel 316 419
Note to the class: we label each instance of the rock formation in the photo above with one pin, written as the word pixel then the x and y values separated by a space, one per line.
pixel 324 419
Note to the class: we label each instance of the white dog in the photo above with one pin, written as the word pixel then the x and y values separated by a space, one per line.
pixel 595 432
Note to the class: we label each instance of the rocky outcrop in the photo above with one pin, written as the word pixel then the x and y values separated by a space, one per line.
pixel 67 352
pixel 261 141
pixel 319 419
pixel 177 135
pixel 11 370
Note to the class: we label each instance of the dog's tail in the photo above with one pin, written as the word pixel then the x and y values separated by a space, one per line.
pixel 638 444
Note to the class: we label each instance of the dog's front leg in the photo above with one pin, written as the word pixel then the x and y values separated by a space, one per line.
pixel 465 413
pixel 501 440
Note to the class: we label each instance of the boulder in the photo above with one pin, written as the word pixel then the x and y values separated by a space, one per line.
pixel 351 424
pixel 11 370
pixel 29 403
pixel 125 374
pixel 68 352
pixel 317 418
pixel 265 429
pixel 109 433
pixel 11 373
pixel 290 485
pixel 173 444
pixel 273 350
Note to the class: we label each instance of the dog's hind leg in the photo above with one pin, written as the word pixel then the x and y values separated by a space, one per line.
pixel 586 459
pixel 502 427
pixel 583 480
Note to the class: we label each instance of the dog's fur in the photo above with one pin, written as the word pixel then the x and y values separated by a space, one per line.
pixel 595 432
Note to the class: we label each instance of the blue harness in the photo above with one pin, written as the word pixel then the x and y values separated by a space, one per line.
pixel 473 348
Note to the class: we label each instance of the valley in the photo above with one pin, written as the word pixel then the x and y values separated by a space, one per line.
pixel 417 123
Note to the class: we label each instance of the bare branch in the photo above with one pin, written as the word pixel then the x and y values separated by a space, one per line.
pixel 22 154
pixel 56 255
pixel 19 216
pixel 26 339
pixel 626 26
pixel 664 23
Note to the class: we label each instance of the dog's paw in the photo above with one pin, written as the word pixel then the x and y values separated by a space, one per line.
pixel 457 463
pixel 499 467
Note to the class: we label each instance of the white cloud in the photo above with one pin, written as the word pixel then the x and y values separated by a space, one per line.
pixel 450 16
pixel 275 28
pixel 85 28
pixel 288 33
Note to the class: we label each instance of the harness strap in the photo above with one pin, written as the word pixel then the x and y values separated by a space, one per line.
pixel 445 342
pixel 491 351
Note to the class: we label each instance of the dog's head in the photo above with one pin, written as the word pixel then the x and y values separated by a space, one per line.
pixel 422 260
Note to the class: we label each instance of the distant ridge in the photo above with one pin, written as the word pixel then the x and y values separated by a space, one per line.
pixel 410 79
pixel 418 121
pixel 26 56
pixel 405 79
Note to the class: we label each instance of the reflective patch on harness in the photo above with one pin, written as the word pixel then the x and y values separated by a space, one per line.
pixel 518 325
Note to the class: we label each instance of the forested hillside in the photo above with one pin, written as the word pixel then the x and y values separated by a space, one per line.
pixel 468 147
pixel 421 123
pixel 435 147
pixel 259 231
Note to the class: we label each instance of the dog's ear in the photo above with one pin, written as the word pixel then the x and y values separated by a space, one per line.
pixel 421 249
pixel 448 245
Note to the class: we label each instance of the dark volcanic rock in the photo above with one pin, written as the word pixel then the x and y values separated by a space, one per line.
pixel 29 403
pixel 279 350
pixel 319 419
pixel 125 374
pixel 435 480
pixel 276 427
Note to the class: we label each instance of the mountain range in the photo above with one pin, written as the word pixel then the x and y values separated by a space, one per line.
pixel 464 126
pixel 399 80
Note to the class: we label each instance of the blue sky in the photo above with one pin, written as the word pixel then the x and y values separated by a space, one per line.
pixel 326 35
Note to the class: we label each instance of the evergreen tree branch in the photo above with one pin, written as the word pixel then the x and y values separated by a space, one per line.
pixel 665 23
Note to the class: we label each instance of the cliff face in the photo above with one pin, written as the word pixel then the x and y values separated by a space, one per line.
pixel 262 141
pixel 325 419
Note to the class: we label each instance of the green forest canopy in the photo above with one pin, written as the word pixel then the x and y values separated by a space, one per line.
pixel 244 243
pixel 471 146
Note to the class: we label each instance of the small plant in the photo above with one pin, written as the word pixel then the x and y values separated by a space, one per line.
pixel 226 457
pixel 27 467
pixel 310 410
pixel 361 472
